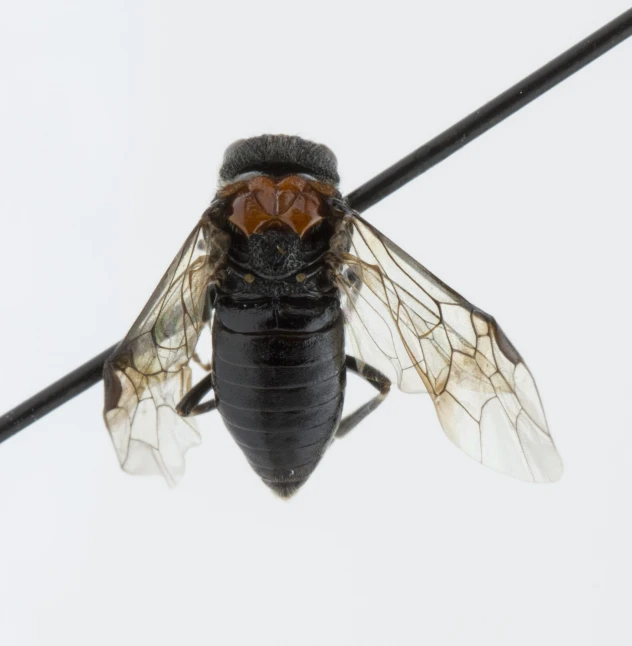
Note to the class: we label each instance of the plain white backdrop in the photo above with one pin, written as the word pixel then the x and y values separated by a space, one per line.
pixel 113 120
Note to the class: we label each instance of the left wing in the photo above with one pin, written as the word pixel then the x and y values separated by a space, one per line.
pixel 149 373
pixel 404 321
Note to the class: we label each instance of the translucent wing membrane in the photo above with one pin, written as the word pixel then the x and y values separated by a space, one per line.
pixel 148 374
pixel 405 322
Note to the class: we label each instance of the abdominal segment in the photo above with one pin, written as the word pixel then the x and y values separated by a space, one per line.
pixel 280 395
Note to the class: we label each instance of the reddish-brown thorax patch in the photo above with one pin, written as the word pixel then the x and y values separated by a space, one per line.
pixel 267 202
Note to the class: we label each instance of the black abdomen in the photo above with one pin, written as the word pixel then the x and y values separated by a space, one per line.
pixel 280 391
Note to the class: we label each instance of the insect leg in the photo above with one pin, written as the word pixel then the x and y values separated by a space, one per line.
pixel 205 365
pixel 206 318
pixel 378 381
pixel 190 403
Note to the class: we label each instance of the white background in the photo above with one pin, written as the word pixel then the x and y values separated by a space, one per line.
pixel 113 121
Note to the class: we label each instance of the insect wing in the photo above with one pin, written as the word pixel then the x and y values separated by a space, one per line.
pixel 149 372
pixel 404 321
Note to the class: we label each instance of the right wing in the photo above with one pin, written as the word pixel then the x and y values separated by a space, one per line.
pixel 408 324
pixel 149 372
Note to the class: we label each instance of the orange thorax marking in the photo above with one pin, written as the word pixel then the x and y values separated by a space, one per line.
pixel 289 202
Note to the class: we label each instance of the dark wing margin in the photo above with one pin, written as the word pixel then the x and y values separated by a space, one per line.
pixel 404 321
pixel 149 372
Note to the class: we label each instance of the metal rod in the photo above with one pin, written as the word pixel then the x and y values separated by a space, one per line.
pixel 492 113
pixel 374 190
pixel 58 393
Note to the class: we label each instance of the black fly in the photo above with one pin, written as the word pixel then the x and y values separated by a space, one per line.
pixel 298 289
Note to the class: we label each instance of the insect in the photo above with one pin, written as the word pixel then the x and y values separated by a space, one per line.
pixel 298 289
